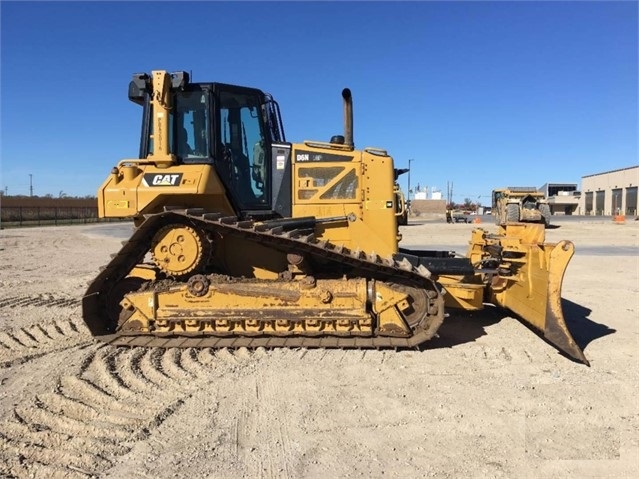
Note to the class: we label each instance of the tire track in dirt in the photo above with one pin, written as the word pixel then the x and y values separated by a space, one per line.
pixel 61 306
pixel 44 299
pixel 202 377
pixel 201 363
pixel 21 345
pixel 112 401
pixel 257 438
pixel 115 399
pixel 278 452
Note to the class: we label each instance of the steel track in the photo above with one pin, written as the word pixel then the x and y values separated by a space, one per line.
pixel 94 303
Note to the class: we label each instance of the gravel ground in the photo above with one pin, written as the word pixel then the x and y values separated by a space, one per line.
pixel 487 398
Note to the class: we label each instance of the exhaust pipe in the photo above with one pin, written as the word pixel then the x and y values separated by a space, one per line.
pixel 348 117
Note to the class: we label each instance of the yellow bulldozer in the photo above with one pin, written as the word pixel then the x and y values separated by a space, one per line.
pixel 243 239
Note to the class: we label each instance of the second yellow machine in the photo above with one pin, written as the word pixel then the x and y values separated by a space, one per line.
pixel 245 239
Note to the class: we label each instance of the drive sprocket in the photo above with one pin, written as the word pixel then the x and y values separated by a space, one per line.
pixel 179 250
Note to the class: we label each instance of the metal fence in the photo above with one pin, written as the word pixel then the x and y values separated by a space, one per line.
pixel 13 216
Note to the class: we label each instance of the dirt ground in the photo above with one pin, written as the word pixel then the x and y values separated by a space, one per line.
pixel 486 399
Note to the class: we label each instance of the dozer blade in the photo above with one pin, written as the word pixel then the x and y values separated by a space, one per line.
pixel 529 284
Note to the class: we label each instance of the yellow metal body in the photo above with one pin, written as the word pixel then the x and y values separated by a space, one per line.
pixel 323 189
pixel 306 307
pixel 357 183
pixel 532 288
pixel 127 191
pixel 357 186
pixel 327 181
pixel 161 103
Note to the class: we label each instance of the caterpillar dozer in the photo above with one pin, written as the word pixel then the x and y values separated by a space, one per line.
pixel 242 239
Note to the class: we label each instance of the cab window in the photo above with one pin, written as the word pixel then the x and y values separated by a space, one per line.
pixel 243 162
pixel 191 118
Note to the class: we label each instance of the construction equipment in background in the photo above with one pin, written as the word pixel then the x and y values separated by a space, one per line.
pixel 520 204
pixel 243 239
pixel 458 216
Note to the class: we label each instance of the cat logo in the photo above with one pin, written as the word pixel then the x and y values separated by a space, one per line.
pixel 160 179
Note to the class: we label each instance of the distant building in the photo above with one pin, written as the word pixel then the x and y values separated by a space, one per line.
pixel 421 195
pixel 558 189
pixel 610 193
pixel 563 198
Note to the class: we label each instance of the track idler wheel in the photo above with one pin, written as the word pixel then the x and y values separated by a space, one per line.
pixel 115 296
pixel 402 308
pixel 179 250
pixel 424 306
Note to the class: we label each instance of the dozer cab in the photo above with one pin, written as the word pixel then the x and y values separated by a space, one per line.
pixel 520 204
pixel 243 239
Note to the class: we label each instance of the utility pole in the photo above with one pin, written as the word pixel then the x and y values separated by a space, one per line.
pixel 409 162
pixel 30 184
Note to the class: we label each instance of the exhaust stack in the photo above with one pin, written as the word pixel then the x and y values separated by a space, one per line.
pixel 348 117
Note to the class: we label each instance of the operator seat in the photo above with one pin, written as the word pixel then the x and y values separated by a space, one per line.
pixel 183 149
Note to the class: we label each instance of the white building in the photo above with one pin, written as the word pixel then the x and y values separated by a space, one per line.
pixel 563 198
pixel 610 193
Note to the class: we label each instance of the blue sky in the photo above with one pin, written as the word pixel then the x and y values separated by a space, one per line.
pixel 479 94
